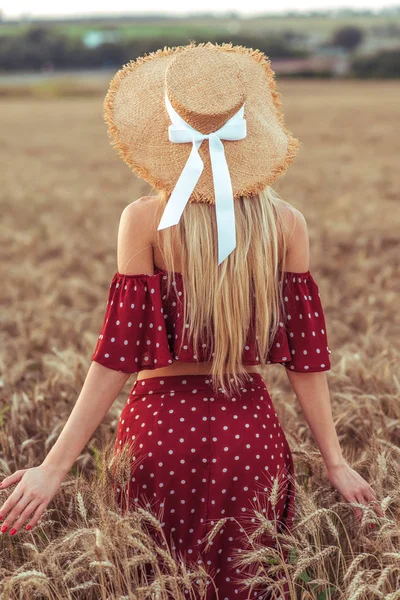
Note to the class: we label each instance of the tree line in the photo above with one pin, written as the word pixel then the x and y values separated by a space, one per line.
pixel 40 47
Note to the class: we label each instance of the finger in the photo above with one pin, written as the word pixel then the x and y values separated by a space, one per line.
pixel 10 503
pixel 15 512
pixel 372 499
pixel 26 514
pixel 370 495
pixel 377 508
pixel 14 478
pixel 360 500
pixel 371 503
pixel 38 513
pixel 357 511
pixel 364 497
pixel 359 496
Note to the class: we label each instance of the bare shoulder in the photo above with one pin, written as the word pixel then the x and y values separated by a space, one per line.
pixel 139 207
pixel 288 216
pixel 142 211
pixel 135 237
pixel 296 237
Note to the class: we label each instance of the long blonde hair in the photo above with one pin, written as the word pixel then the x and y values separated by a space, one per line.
pixel 223 300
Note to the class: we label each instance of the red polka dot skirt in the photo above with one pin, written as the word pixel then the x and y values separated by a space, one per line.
pixel 200 456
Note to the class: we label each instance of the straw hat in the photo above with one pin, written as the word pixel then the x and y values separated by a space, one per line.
pixel 201 91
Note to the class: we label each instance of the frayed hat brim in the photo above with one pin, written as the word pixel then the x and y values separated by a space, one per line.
pixel 138 123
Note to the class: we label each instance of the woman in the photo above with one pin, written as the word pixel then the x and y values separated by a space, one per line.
pixel 194 309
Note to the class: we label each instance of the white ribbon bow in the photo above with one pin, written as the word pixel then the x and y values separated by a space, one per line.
pixel 181 132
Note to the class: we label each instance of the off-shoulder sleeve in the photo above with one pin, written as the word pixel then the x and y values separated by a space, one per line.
pixel 302 344
pixel 133 334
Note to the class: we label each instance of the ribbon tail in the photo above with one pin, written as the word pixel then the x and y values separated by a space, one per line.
pixel 183 189
pixel 224 202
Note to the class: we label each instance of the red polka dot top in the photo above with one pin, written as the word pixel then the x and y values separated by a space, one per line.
pixel 142 326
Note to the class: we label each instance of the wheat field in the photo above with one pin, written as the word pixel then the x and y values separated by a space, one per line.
pixel 63 190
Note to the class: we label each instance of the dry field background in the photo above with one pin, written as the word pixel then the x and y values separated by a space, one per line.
pixel 62 192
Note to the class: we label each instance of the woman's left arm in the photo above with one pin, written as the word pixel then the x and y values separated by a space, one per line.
pixel 38 485
pixel 312 392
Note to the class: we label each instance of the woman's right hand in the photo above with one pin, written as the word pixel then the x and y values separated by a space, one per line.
pixel 36 488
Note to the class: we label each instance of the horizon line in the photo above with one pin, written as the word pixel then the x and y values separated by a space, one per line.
pixel 228 13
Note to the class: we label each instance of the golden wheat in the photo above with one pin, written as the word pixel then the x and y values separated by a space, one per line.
pixel 62 189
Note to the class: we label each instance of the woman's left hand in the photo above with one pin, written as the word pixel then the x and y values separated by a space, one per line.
pixel 353 487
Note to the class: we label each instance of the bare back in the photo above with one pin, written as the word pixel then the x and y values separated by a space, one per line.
pixel 294 231
pixel 297 257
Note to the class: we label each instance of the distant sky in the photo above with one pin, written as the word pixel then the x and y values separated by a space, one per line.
pixel 35 8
